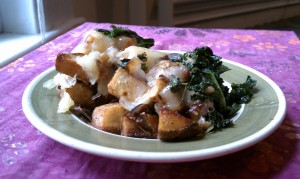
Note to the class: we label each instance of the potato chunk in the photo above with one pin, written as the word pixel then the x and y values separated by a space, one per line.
pixel 149 123
pixel 143 117
pixel 131 129
pixel 66 64
pixel 173 126
pixel 108 117
pixel 125 85
pixel 82 95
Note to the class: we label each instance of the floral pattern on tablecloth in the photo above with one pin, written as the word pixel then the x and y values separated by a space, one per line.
pixel 27 153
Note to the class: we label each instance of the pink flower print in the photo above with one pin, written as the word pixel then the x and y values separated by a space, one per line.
pixel 244 38
pixel 294 41
pixel 269 46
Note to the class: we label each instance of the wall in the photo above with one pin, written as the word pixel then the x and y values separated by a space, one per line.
pixel 87 9
pixel 195 13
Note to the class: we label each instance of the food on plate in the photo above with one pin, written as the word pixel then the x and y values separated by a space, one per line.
pixel 113 80
pixel 174 126
pixel 107 117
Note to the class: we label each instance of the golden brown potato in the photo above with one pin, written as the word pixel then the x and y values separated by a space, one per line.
pixel 145 118
pixel 82 95
pixel 124 85
pixel 149 123
pixel 173 126
pixel 134 68
pixel 160 83
pixel 108 117
pixel 131 129
pixel 65 63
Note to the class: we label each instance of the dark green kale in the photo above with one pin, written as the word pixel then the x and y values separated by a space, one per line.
pixel 203 58
pixel 205 70
pixel 218 121
pixel 242 93
pixel 119 31
pixel 231 110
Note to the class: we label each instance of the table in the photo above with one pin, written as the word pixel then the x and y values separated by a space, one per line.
pixel 27 153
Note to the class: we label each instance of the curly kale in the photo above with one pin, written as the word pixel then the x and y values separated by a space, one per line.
pixel 242 93
pixel 120 31
pixel 205 70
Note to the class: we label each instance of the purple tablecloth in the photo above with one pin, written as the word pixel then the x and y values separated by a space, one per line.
pixel 27 153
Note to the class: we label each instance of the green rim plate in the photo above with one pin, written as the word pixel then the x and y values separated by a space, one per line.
pixel 256 121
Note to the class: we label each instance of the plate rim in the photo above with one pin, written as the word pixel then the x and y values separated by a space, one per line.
pixel 157 157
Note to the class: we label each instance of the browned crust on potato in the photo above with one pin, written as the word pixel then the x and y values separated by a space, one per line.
pixel 123 84
pixel 131 129
pixel 173 126
pixel 149 123
pixel 108 117
pixel 65 63
pixel 82 95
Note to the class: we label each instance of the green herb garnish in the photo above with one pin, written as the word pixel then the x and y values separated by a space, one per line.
pixel 119 31
pixel 144 67
pixel 142 57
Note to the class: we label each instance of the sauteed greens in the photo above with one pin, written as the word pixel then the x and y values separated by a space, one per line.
pixel 205 70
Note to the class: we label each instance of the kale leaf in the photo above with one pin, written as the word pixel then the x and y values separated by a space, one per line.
pixel 218 121
pixel 205 71
pixel 119 31
pixel 241 93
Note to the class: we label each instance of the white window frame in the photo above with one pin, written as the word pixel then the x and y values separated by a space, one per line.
pixel 34 23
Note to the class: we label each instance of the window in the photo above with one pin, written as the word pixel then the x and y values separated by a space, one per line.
pixel 25 25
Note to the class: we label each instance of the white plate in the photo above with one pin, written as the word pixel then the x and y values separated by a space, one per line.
pixel 258 119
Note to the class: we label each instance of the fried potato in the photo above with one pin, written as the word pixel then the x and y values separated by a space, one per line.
pixel 130 128
pixel 82 95
pixel 144 117
pixel 134 68
pixel 125 85
pixel 173 126
pixel 65 63
pixel 149 123
pixel 108 117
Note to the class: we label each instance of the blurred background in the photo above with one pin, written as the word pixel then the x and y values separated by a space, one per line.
pixel 27 24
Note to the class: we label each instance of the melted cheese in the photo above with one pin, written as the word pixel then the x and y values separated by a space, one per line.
pixel 89 65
